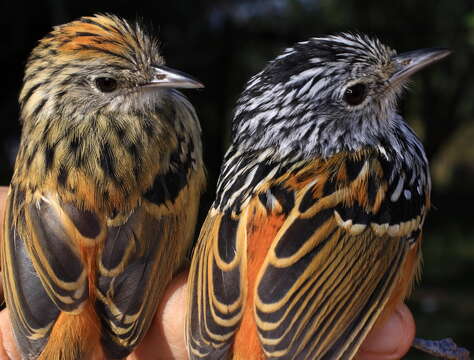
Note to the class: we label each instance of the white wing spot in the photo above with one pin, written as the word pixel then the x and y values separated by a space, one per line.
pixel 407 194
pixel 383 151
pixel 398 189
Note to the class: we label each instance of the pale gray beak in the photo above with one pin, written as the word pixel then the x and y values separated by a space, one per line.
pixel 410 62
pixel 166 77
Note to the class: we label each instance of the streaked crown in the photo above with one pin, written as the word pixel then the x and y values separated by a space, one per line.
pixel 103 36
pixel 69 64
pixel 326 95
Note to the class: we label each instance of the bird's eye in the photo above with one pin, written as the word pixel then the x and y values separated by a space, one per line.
pixel 355 94
pixel 106 84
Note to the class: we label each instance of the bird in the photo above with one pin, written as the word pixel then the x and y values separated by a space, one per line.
pixel 103 201
pixel 315 232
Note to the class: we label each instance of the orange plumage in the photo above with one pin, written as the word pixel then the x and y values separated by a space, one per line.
pixel 261 232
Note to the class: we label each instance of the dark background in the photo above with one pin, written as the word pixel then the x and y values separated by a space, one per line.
pixel 223 43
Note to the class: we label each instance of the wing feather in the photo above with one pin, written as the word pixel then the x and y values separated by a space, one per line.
pixel 216 290
pixel 129 283
pixel 316 281
pixel 54 244
pixel 131 276
pixel 328 275
pixel 42 271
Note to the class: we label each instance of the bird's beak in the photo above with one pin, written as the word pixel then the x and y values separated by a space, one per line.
pixel 410 62
pixel 166 77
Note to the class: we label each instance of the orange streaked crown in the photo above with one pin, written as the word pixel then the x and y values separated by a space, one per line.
pixel 102 35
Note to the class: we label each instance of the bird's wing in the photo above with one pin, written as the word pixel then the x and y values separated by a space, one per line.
pixel 60 259
pixel 217 288
pixel 142 252
pixel 43 272
pixel 337 259
pixel 322 248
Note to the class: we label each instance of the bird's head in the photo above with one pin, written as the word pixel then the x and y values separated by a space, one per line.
pixel 327 94
pixel 97 63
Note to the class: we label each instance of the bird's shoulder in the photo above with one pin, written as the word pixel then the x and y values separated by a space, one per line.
pixel 371 188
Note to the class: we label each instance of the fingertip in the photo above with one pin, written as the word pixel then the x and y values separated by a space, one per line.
pixel 3 201
pixel 8 349
pixel 392 339
pixel 165 339
pixel 3 193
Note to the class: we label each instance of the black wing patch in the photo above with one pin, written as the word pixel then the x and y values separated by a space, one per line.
pixel 395 202
pixel 216 292
pixel 31 310
pixel 55 254
pixel 166 187
pixel 129 283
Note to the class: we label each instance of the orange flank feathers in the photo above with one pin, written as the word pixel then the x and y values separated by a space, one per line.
pixel 81 333
pixel 262 229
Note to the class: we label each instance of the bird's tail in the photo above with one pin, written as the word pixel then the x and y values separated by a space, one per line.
pixel 74 337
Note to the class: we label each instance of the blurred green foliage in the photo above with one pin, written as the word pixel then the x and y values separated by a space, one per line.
pixel 223 43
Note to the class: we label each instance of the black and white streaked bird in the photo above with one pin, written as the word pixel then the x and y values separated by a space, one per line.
pixel 104 197
pixel 315 232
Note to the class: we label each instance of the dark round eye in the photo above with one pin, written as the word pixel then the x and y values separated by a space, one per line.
pixel 355 94
pixel 106 84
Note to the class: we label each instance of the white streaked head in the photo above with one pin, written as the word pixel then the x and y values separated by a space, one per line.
pixel 326 95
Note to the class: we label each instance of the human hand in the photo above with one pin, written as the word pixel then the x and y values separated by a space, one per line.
pixel 165 339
